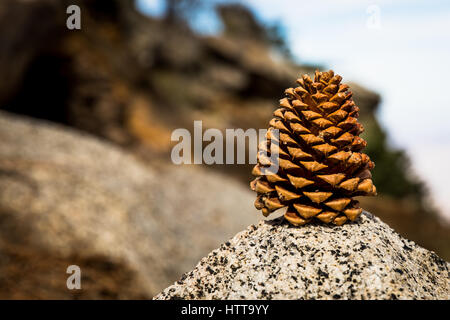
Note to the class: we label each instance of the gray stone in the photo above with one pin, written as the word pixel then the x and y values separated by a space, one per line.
pixel 69 197
pixel 272 260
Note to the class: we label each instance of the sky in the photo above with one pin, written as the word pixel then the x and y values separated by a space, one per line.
pixel 400 49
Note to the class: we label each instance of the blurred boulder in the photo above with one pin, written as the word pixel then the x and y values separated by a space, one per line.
pixel 273 260
pixel 68 198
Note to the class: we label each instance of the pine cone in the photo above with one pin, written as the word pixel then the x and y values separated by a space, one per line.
pixel 321 166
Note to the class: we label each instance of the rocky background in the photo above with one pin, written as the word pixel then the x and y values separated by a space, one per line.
pixel 115 203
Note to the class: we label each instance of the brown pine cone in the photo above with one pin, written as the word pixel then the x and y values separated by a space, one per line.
pixel 321 166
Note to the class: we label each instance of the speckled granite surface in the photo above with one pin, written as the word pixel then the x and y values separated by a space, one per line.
pixel 361 260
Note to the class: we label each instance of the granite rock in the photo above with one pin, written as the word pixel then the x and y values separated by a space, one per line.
pixel 272 260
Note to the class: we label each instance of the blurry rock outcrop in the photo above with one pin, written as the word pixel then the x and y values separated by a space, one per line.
pixel 70 199
pixel 132 79
pixel 362 260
